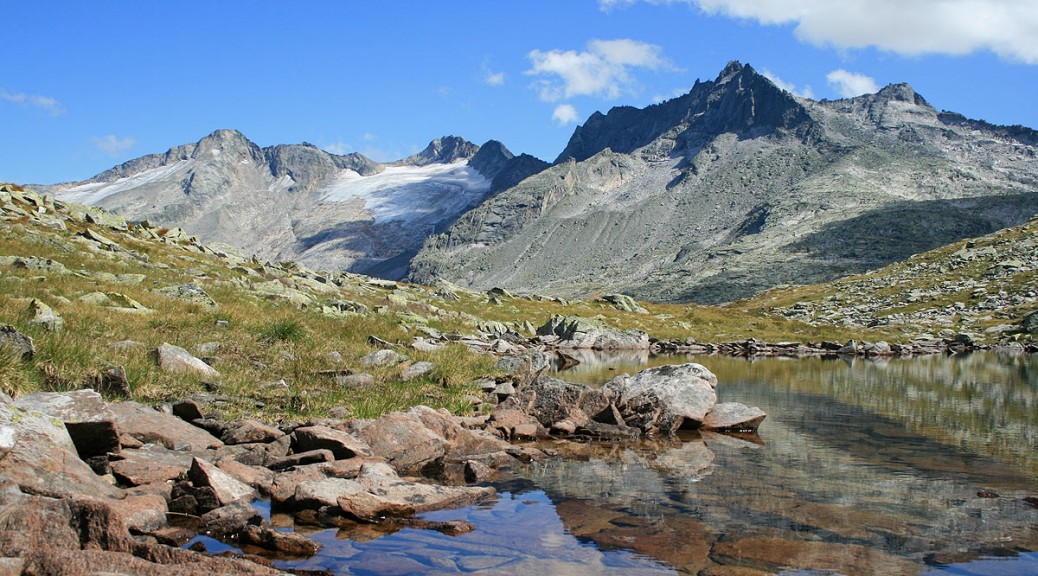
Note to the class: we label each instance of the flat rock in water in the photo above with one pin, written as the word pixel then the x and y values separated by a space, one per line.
pixel 733 417
pixel 151 426
pixel 665 397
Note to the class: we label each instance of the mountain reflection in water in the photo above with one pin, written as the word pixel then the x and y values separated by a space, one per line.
pixel 909 466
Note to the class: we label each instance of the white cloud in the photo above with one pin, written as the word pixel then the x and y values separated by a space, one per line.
pixel 45 103
pixel 565 114
pixel 494 78
pixel 369 137
pixel 805 92
pixel 602 70
pixel 338 148
pixel 849 84
pixel 956 27
pixel 113 145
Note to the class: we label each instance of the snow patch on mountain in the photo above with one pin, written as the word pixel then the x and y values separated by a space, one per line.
pixel 411 194
pixel 95 192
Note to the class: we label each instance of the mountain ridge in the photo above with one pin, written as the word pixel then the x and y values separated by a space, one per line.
pixel 738 186
pixel 299 202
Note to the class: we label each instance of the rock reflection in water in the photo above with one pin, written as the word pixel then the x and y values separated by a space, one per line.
pixel 851 478
pixel 520 533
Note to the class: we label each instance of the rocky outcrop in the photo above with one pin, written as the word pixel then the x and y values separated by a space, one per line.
pixel 578 332
pixel 654 401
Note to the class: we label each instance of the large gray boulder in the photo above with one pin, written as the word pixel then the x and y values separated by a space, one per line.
pixel 41 457
pixel 579 332
pixel 665 399
pixel 176 359
pixel 90 424
pixel 16 342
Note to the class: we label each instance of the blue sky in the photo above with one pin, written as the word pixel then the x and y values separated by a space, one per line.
pixel 87 85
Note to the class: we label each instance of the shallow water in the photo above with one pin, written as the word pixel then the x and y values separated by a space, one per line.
pixel 901 467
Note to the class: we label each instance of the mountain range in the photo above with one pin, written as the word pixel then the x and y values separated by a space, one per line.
pixel 733 188
pixel 300 203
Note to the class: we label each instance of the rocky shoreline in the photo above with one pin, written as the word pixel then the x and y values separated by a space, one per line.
pixel 89 485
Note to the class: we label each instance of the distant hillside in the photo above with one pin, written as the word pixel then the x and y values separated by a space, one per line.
pixel 739 186
pixel 297 202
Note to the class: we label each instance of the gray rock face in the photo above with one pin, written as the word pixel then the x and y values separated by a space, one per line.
pixel 578 332
pixel 736 187
pixel 175 359
pixel 90 424
pixel 290 202
pixel 45 316
pixel 664 398
pixel 16 342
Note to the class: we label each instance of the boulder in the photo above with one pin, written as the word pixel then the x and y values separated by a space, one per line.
pixel 666 398
pixel 1030 323
pixel 89 422
pixel 190 293
pixel 151 426
pixel 41 457
pixel 404 441
pixel 176 359
pixel 341 444
pixel 416 370
pixel 733 417
pixel 230 519
pixel 250 432
pixel 137 467
pixel 579 332
pixel 16 342
pixel 382 357
pixel 45 316
pixel 226 488
pixel 355 380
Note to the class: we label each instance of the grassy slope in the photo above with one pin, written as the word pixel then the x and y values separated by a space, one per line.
pixel 269 339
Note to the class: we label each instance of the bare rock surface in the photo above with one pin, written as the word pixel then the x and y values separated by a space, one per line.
pixel 734 417
pixel 149 425
pixel 226 488
pixel 176 359
pixel 89 422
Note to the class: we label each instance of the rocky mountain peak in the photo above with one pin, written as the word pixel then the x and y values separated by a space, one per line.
pixel 443 151
pixel 491 158
pixel 902 92
pixel 739 101
pixel 231 142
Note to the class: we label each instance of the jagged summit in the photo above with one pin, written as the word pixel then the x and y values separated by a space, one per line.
pixel 446 150
pixel 902 92
pixel 739 100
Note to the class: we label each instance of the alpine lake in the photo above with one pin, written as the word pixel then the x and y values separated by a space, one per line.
pixel 924 465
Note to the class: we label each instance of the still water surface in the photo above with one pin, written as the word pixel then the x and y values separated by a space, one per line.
pixel 915 466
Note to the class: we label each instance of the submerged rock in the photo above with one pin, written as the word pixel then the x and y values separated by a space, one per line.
pixel 733 417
